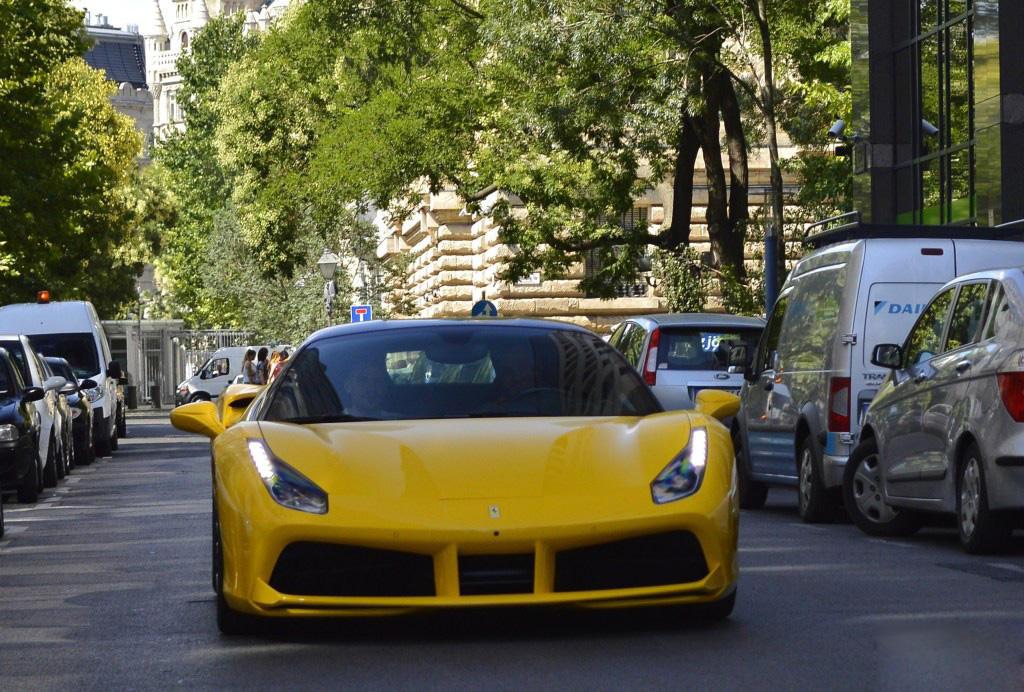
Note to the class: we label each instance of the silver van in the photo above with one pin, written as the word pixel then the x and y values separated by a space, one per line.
pixel 677 353
pixel 946 432
pixel 811 378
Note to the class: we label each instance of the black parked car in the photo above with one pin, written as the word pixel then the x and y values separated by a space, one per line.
pixel 81 409
pixel 19 432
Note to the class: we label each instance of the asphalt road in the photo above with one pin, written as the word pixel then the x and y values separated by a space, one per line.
pixel 105 584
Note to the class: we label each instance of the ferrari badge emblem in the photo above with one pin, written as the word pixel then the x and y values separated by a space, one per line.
pixel 494 511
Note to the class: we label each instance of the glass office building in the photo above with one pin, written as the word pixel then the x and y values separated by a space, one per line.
pixel 938 129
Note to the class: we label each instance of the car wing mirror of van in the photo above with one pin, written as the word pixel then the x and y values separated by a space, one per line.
pixel 53 383
pixel 114 369
pixel 87 384
pixel 30 394
pixel 887 356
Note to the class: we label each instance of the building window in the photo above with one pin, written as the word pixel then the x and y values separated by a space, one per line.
pixel 592 261
pixel 172 106
pixel 934 112
pixel 184 40
pixel 182 9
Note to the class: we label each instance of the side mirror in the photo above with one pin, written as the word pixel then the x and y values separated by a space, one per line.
pixel 52 383
pixel 198 417
pixel 717 404
pixel 235 401
pixel 114 370
pixel 123 381
pixel 30 394
pixel 87 384
pixel 776 361
pixel 887 356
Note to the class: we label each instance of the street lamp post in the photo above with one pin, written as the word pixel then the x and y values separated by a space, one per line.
pixel 328 265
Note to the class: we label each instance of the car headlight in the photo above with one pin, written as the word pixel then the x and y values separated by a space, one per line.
pixel 683 476
pixel 288 487
pixel 8 433
pixel 94 394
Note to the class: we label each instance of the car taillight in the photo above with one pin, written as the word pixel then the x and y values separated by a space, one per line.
pixel 1011 387
pixel 839 404
pixel 650 369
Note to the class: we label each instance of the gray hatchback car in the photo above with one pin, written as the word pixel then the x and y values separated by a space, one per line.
pixel 677 353
pixel 945 433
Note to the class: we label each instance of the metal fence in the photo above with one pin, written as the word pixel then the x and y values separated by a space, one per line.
pixel 197 345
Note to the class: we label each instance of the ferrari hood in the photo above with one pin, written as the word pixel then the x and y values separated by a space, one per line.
pixel 481 458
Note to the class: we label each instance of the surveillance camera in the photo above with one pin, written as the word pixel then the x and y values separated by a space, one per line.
pixel 837 129
pixel 929 129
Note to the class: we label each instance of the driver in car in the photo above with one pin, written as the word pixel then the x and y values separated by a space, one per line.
pixel 366 390
pixel 513 372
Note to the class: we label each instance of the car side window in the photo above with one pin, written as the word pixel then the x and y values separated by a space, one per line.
pixel 965 322
pixel 770 340
pixel 220 367
pixel 925 339
pixel 632 343
pixel 616 336
pixel 1000 312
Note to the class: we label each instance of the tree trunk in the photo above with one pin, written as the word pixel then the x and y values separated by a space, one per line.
pixel 682 185
pixel 768 97
pixel 739 172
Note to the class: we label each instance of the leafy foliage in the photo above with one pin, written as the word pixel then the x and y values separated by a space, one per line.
pixel 68 164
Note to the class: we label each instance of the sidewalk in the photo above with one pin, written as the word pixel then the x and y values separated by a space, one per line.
pixel 147 412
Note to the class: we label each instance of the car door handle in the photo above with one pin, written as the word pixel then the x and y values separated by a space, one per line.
pixel 963 366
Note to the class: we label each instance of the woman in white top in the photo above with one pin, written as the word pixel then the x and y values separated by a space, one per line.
pixel 249 372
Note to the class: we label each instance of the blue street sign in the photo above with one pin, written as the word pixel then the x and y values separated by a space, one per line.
pixel 484 308
pixel 362 313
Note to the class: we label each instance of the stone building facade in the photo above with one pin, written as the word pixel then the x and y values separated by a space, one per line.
pixel 168 30
pixel 457 259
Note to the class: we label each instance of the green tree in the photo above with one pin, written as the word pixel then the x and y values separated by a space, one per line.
pixel 67 163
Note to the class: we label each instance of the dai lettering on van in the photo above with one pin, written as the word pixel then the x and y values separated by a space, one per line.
pixel 884 306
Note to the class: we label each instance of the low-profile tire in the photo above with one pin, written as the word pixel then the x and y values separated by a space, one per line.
pixel 752 495
pixel 28 491
pixel 61 462
pixel 86 454
pixel 862 495
pixel 815 503
pixel 50 467
pixel 198 396
pixel 716 610
pixel 229 621
pixel 981 530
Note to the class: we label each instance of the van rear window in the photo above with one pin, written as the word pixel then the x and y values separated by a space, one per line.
pixel 694 349
pixel 79 350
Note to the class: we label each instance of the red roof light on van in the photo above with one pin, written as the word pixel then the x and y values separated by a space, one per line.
pixel 43 297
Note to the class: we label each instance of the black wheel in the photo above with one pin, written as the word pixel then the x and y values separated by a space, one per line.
pixel 61 462
pixel 198 396
pixel 981 529
pixel 862 495
pixel 122 424
pixel 50 468
pixel 69 446
pixel 114 442
pixel 86 453
pixel 104 448
pixel 2 529
pixel 28 491
pixel 716 610
pixel 752 494
pixel 816 503
pixel 229 621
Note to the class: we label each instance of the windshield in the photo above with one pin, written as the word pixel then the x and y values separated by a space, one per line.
pixel 694 349
pixel 458 372
pixel 79 350
pixel 18 356
pixel 62 369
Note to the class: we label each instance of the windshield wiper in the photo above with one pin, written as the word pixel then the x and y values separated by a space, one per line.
pixel 329 418
pixel 496 414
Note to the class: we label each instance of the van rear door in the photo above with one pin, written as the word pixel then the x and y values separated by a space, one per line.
pixel 901 276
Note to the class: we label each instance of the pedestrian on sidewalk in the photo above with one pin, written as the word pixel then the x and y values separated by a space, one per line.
pixel 261 366
pixel 249 374
pixel 277 366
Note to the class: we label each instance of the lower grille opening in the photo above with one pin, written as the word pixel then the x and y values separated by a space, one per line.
pixel 674 557
pixel 326 569
pixel 481 575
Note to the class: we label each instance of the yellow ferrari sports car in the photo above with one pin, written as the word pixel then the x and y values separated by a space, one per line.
pixel 396 466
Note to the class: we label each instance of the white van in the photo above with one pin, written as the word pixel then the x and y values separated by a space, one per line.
pixel 214 376
pixel 811 377
pixel 71 330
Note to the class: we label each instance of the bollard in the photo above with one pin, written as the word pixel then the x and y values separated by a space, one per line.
pixel 154 395
pixel 131 396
